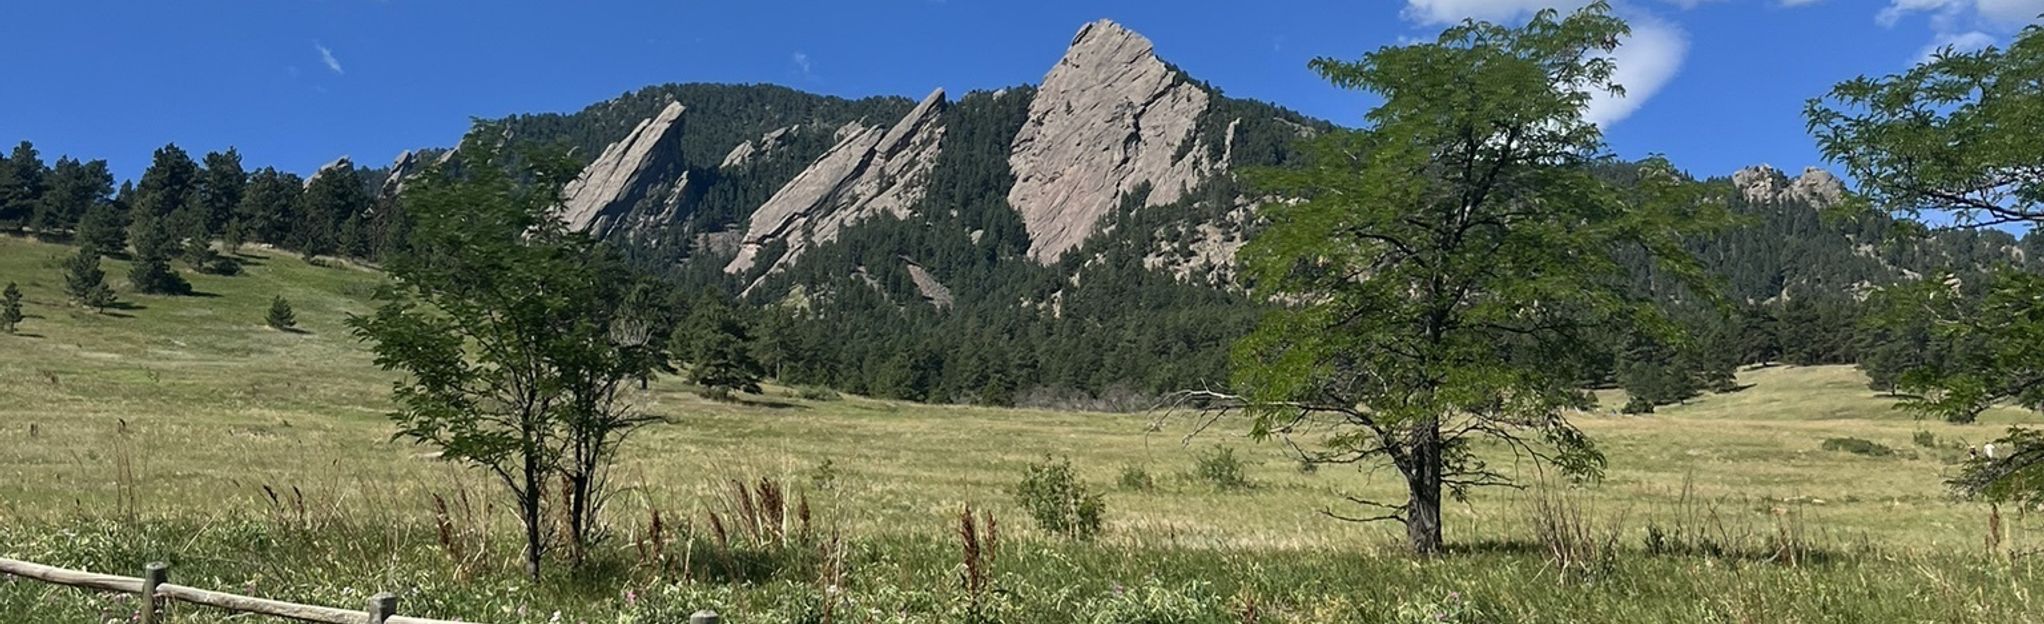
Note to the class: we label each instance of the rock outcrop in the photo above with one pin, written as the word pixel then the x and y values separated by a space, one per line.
pixel 873 170
pixel 403 169
pixel 1765 184
pixel 334 165
pixel 1109 118
pixel 932 290
pixel 638 181
pixel 749 151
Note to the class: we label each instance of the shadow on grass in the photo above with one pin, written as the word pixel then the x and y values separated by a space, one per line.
pixel 766 403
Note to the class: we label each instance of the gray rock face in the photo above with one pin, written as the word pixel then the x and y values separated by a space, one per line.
pixel 637 181
pixel 932 290
pixel 336 164
pixel 871 171
pixel 1765 184
pixel 1109 118
pixel 403 169
pixel 749 151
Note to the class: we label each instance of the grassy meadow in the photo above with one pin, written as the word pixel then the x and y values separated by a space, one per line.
pixel 182 428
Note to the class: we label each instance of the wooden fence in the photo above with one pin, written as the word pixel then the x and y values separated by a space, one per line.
pixel 155 589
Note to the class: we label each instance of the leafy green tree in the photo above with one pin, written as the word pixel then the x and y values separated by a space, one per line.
pixel 715 344
pixel 280 315
pixel 10 308
pixel 507 326
pixel 1449 267
pixel 21 183
pixel 1953 141
pixel 85 282
pixel 151 272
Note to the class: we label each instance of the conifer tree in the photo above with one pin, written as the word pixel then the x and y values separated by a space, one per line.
pixel 280 316
pixel 85 282
pixel 21 183
pixel 10 308
pixel 151 272
pixel 101 230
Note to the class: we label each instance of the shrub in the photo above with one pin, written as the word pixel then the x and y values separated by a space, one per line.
pixel 1135 477
pixel 1221 469
pixel 816 393
pixel 1059 502
pixel 1924 439
pixel 1858 446
pixel 1637 406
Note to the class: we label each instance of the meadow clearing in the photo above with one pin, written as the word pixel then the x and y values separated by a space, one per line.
pixel 182 428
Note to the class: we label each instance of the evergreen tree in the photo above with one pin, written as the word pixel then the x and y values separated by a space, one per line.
pixel 716 346
pixel 334 199
pixel 269 206
pixel 85 282
pixel 221 188
pixel 280 315
pixel 10 308
pixel 101 230
pixel 73 189
pixel 166 186
pixel 21 183
pixel 154 247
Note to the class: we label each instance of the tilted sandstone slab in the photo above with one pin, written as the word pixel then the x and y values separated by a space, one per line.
pixel 637 181
pixel 1108 119
pixel 749 151
pixel 1765 184
pixel 872 171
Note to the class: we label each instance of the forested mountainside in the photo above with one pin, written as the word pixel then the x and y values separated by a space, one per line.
pixel 1070 241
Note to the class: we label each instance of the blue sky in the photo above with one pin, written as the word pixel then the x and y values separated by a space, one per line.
pixel 1716 84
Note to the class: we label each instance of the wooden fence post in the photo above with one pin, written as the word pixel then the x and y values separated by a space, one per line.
pixel 153 574
pixel 381 607
pixel 705 616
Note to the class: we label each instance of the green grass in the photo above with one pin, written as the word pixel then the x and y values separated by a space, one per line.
pixel 204 406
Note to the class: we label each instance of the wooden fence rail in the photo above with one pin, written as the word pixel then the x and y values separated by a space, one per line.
pixel 155 588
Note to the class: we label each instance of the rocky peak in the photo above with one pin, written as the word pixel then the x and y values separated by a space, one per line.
pixel 637 181
pixel 336 164
pixel 1765 184
pixel 1109 118
pixel 405 167
pixel 873 170
pixel 748 151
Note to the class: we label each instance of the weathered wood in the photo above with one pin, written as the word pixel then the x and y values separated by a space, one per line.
pixel 703 617
pixel 156 576
pixel 153 576
pixel 381 607
pixel 73 578
pixel 261 606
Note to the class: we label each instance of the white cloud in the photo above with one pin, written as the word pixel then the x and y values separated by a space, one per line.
pixel 1971 41
pixel 1647 60
pixel 327 56
pixel 2010 12
pixel 1451 11
pixel 801 60
pixel 1797 3
pixel 1947 15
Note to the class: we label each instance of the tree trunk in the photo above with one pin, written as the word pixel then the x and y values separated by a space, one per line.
pixel 1423 488
pixel 535 489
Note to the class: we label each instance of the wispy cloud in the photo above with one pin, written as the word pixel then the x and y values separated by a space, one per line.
pixel 326 55
pixel 801 61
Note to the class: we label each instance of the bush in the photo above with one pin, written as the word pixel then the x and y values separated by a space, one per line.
pixel 1221 469
pixel 1858 446
pixel 1637 406
pixel 280 315
pixel 1924 439
pixel 1135 477
pixel 1059 502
